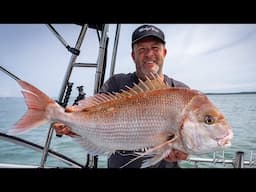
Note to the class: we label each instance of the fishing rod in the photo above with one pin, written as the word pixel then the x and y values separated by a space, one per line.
pixel 9 73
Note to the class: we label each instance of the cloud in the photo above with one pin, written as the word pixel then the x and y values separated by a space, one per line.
pixel 221 56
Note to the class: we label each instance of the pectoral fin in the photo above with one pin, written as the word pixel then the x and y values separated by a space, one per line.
pixel 158 153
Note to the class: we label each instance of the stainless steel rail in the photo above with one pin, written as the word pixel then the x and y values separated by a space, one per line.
pixel 237 162
pixel 39 148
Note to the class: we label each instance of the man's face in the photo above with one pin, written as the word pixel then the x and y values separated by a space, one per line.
pixel 148 55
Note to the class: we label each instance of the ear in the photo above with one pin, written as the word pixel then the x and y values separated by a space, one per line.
pixel 132 54
pixel 165 51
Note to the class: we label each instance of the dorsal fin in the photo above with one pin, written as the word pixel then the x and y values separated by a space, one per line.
pixel 153 83
pixel 150 84
pixel 156 82
pixel 92 101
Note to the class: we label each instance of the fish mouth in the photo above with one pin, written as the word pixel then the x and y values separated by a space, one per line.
pixel 225 141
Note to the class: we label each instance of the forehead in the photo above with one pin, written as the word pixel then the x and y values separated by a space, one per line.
pixel 149 39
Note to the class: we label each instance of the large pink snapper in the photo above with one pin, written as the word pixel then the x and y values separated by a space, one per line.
pixel 150 115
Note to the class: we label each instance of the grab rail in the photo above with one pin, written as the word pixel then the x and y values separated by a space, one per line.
pixel 36 147
pixel 237 162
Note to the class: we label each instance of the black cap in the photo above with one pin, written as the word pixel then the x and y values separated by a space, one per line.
pixel 146 31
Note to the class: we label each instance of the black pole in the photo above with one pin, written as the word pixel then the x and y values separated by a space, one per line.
pixel 9 73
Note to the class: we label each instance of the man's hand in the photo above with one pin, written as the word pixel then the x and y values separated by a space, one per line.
pixel 62 129
pixel 176 155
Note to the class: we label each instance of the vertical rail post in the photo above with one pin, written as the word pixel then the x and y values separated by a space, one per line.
pixel 63 88
pixel 239 159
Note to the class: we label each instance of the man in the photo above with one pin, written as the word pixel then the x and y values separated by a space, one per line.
pixel 148 54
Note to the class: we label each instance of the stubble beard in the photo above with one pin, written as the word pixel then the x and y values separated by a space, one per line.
pixel 148 72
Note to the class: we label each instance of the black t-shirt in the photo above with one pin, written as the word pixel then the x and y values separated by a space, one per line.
pixel 115 84
pixel 119 81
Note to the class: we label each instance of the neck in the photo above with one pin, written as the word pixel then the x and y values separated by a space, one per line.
pixel 143 76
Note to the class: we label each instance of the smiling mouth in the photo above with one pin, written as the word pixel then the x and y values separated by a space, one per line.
pixel 149 62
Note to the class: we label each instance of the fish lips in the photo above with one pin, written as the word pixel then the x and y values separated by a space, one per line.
pixel 226 141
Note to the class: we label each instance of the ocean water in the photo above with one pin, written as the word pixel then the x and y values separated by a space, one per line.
pixel 239 109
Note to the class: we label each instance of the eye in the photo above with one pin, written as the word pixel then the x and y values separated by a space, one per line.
pixel 155 48
pixel 141 50
pixel 208 119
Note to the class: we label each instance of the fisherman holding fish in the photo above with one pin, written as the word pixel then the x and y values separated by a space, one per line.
pixel 141 119
pixel 148 54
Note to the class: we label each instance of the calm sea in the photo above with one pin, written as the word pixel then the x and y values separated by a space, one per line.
pixel 239 109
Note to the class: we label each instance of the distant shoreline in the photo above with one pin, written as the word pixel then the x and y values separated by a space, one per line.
pixel 234 93
pixel 228 93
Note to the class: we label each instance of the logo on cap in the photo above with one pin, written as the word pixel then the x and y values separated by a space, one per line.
pixel 146 31
pixel 148 28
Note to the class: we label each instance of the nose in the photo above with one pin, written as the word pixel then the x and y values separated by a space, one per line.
pixel 149 52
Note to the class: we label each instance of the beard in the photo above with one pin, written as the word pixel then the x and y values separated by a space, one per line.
pixel 149 69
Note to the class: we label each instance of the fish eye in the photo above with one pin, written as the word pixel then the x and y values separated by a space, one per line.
pixel 209 119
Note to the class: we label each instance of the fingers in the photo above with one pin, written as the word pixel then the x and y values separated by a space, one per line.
pixel 62 129
pixel 73 134
pixel 58 126
pixel 73 108
pixel 180 155
pixel 176 155
pixel 69 109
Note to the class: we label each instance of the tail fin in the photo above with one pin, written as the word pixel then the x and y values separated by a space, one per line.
pixel 36 102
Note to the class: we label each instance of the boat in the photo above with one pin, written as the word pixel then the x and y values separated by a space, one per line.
pixel 238 161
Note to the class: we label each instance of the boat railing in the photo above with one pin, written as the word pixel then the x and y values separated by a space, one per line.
pixel 100 65
pixel 22 142
pixel 238 161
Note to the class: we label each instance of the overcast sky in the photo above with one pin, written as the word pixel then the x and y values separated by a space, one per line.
pixel 207 57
